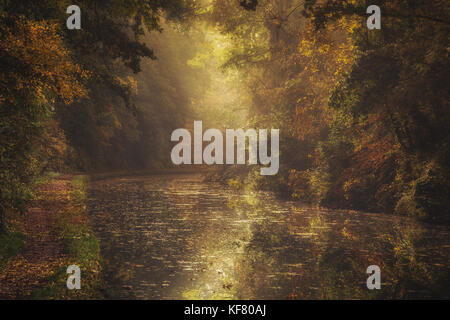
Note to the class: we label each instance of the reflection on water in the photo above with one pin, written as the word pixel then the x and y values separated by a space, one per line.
pixel 177 237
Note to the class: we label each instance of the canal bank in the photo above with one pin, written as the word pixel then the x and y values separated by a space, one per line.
pixel 56 233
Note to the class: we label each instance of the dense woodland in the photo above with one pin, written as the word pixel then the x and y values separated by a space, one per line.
pixel 363 114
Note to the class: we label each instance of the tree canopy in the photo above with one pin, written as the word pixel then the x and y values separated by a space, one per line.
pixel 363 113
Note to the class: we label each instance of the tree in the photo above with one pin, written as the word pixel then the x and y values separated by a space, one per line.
pixel 36 72
pixel 53 77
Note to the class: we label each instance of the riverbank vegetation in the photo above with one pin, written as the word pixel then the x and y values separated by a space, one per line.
pixel 11 244
pixel 66 96
pixel 363 114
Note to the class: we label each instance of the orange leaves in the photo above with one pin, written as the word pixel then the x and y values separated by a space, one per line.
pixel 373 155
pixel 38 62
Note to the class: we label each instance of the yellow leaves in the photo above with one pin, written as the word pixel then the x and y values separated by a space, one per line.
pixel 41 63
pixel 325 56
pixel 199 61
pixel 346 234
pixel 129 82
pixel 306 47
pixel 324 48
pixel 349 185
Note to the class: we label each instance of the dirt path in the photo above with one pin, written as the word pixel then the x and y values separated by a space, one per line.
pixel 42 253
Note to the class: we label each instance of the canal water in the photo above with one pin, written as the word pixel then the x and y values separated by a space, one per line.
pixel 177 236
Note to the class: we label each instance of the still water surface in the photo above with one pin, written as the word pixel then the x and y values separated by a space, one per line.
pixel 179 237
